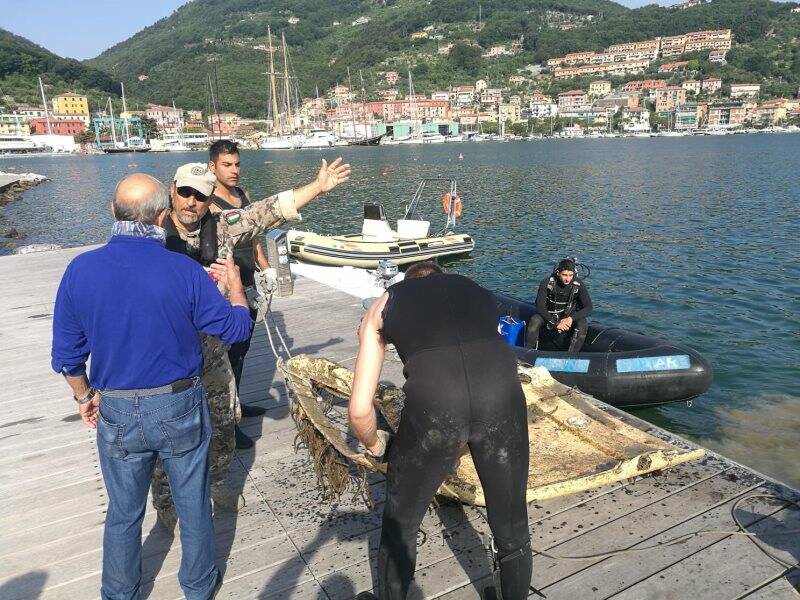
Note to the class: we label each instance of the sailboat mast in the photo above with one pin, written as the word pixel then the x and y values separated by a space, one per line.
pixel 272 87
pixel 125 118
pixel 416 123
pixel 113 128
pixel 288 96
pixel 350 93
pixel 213 109
pixel 44 102
pixel 363 104
pixel 180 124
pixel 316 110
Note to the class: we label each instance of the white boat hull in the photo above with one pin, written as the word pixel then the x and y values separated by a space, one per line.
pixel 356 251
pixel 280 143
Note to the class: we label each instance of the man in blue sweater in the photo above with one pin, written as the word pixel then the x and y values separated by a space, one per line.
pixel 137 309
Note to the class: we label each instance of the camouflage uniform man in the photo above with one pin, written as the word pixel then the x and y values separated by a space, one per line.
pixel 192 230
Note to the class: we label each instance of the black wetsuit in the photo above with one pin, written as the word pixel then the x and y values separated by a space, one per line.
pixel 461 388
pixel 245 259
pixel 555 301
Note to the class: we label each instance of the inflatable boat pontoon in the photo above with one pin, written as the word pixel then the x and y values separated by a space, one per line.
pixel 617 366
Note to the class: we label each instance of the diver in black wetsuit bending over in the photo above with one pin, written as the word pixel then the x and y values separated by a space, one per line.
pixel 462 391
pixel 563 303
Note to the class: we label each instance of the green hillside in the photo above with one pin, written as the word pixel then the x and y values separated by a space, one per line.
pixel 22 61
pixel 177 53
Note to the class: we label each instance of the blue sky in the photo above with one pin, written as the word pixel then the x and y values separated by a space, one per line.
pixel 84 28
pixel 81 28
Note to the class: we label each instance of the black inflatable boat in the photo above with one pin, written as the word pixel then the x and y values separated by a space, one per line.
pixel 617 366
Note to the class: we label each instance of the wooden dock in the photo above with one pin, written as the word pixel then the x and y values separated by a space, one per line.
pixel 286 544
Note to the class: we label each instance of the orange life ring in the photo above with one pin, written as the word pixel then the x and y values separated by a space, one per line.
pixel 447 200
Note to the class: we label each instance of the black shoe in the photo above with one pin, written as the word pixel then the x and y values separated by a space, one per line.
pixel 242 441
pixel 366 596
pixel 252 411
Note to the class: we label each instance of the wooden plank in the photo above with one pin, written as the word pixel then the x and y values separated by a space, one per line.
pixel 55 544
pixel 619 572
pixel 591 524
pixel 778 589
pixel 731 566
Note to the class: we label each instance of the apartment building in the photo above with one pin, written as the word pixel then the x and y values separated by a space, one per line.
pixel 510 112
pixel 669 97
pixel 644 85
pixel 711 85
pixel 39 126
pixel 689 116
pixel 718 57
pixel 71 104
pixel 726 115
pixel 14 124
pixel 620 68
pixel 166 117
pixel 635 119
pixel 542 108
pixel 691 85
pixel 578 57
pixel 492 96
pixel 771 112
pixel 572 102
pixel 673 45
pixel 464 95
pixel 645 46
pixel 745 90
pixel 600 88
pixel 716 39
pixel 424 109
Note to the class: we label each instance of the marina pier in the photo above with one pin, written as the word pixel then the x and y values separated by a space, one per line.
pixel 286 543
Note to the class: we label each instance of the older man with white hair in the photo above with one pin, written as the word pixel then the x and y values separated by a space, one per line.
pixel 137 309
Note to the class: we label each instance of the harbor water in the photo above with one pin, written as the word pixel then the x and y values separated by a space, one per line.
pixel 691 239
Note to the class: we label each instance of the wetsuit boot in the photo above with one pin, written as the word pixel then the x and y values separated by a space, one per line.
pixel 512 573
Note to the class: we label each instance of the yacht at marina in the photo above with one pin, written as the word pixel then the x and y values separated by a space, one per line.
pixel 20 144
pixel 319 138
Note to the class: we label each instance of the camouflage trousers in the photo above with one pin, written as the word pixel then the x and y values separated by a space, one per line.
pixel 223 406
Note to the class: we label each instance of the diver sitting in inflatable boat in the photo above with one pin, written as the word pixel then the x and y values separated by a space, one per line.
pixel 563 303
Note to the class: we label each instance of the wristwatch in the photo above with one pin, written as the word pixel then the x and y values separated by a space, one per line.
pixel 88 396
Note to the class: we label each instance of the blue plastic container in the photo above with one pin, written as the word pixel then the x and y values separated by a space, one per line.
pixel 513 331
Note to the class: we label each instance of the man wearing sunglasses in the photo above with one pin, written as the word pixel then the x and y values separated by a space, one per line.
pixel 191 229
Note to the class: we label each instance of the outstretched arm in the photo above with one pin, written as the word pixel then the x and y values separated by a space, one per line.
pixel 329 176
pixel 271 212
pixel 369 362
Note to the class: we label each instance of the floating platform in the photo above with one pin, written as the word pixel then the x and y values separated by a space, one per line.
pixel 286 544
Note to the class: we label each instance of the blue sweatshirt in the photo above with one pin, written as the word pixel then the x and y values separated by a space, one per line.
pixel 137 309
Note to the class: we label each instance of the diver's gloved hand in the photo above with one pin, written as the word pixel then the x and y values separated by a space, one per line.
pixel 379 452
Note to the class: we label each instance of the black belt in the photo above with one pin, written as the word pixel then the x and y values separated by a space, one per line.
pixel 171 388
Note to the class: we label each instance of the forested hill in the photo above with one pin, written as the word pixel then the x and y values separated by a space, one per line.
pixel 22 62
pixel 174 56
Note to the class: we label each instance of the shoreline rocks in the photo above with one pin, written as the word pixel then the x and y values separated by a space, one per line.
pixel 22 183
pixel 12 185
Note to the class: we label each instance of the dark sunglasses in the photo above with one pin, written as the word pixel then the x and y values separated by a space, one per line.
pixel 185 192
